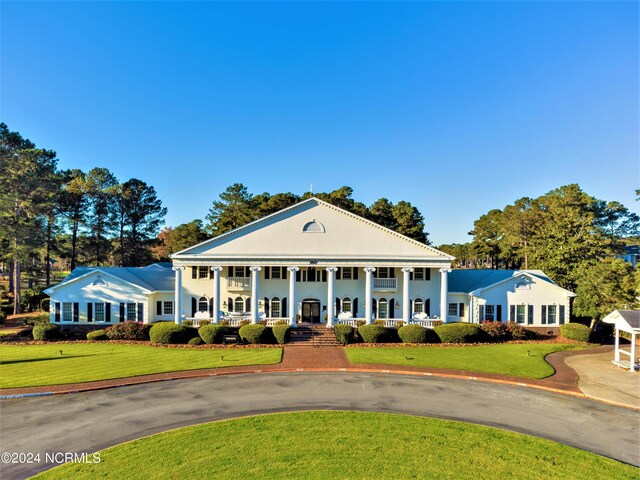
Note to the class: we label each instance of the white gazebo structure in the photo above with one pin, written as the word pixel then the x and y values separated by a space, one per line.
pixel 625 321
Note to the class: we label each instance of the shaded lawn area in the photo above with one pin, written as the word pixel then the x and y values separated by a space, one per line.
pixel 35 365
pixel 518 360
pixel 337 445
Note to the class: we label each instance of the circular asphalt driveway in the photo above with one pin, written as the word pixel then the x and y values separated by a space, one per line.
pixel 92 421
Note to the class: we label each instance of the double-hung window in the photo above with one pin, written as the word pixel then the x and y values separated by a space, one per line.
pixel 489 313
pixel 347 273
pixel 552 314
pixel 383 311
pixel 240 271
pixel 167 308
pixel 453 309
pixel 203 272
pixel 98 311
pixel 418 273
pixel 383 272
pixel 238 305
pixel 520 313
pixel 346 304
pixel 418 306
pixel 131 312
pixel 275 307
pixel 275 273
pixel 67 312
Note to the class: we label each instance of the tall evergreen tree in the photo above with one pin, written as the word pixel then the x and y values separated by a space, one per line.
pixel 234 209
pixel 74 202
pixel 101 189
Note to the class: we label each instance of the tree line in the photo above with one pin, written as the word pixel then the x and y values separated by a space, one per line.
pixel 570 235
pixel 86 217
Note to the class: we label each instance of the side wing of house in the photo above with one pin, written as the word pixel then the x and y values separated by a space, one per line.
pixel 525 299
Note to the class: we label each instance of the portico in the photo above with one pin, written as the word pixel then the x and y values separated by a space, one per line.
pixel 357 271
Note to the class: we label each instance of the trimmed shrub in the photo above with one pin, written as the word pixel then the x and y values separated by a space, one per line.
pixel 496 331
pixel 378 323
pixel 281 332
pixel 281 322
pixel 412 334
pixel 97 335
pixel 360 323
pixel 42 319
pixel 253 333
pixel 399 324
pixel 46 332
pixel 212 333
pixel 344 334
pixel 187 323
pixel 224 323
pixel 460 333
pixel 575 331
pixel 167 332
pixel 128 331
pixel 518 332
pixel 244 322
pixel 195 341
pixel 372 333
pixel 3 317
pixel 202 323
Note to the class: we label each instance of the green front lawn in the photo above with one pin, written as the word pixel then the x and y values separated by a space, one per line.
pixel 518 360
pixel 337 445
pixel 34 365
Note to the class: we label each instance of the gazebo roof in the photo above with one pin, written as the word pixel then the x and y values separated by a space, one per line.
pixel 625 320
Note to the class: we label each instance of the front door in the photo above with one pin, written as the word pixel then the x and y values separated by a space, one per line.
pixel 311 311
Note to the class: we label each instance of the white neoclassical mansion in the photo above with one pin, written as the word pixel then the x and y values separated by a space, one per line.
pixel 312 262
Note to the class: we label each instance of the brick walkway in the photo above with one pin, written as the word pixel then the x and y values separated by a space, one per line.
pixel 308 358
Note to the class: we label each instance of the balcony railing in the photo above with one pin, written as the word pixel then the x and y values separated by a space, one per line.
pixel 239 283
pixel 385 284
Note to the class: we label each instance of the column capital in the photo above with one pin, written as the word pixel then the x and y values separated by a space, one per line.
pixel 178 268
pixel 369 269
pixel 216 269
pixel 255 269
pixel 445 270
pixel 407 269
pixel 332 269
pixel 293 269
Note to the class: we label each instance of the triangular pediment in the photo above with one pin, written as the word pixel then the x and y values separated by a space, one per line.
pixel 312 229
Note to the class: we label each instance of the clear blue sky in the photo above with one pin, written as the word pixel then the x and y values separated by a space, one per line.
pixel 456 107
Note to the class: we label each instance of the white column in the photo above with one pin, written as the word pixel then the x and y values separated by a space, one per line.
pixel 254 293
pixel 331 301
pixel 368 289
pixel 633 352
pixel 177 303
pixel 444 290
pixel 617 346
pixel 293 310
pixel 406 303
pixel 216 293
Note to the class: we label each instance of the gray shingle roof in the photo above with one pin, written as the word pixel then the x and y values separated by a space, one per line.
pixel 469 280
pixel 155 277
pixel 632 317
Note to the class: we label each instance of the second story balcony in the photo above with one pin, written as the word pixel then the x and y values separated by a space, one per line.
pixel 385 284
pixel 238 283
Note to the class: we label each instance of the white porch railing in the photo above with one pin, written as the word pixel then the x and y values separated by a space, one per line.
pixel 276 320
pixel 385 283
pixel 429 323
pixel 349 321
pixel 195 321
pixel 239 283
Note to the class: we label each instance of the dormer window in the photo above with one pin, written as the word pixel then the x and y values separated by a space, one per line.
pixel 313 227
pixel 522 285
pixel 99 283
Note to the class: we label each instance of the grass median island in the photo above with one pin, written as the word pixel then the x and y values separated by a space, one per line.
pixel 337 445
pixel 518 359
pixel 36 365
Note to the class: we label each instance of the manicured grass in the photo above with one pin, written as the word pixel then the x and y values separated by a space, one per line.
pixel 518 360
pixel 33 365
pixel 337 445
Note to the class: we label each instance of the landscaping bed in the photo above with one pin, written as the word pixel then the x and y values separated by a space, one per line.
pixel 340 445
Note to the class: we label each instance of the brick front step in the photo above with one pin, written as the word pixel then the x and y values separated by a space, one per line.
pixel 316 335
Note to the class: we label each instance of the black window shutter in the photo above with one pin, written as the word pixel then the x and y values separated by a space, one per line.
pixel 411 307
pixel 543 309
pixel 392 308
pixel 324 275
pixel 298 275
pixel 194 306
pixel 230 304
pixel 392 272
pixel 530 314
pixel 122 312
pixel 374 304
pixel 229 271
pixel 76 312
pixel 266 306
pixel 512 313
pixel 410 275
pixel 562 313
pixel 354 307
pixel 211 307
pixel 354 275
pixel 247 271
pixel 461 310
pixel 283 307
pixel 107 312
pixel 57 314
pixel 267 273
pixel 283 273
pixel 499 313
pixel 427 274
pixel 141 312
pixel 338 306
pixel 339 274
pixel 427 306
pixel 481 313
pixel 247 304
pixel 194 272
pixel 158 307
pixel 89 312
